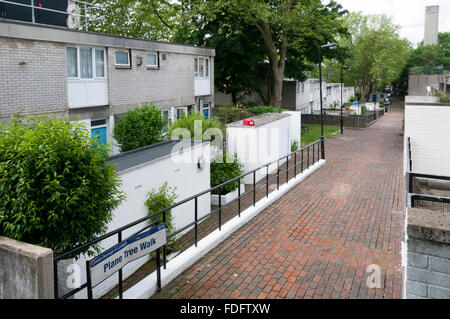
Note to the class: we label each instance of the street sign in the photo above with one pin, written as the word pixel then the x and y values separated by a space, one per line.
pixel 132 248
pixel 356 102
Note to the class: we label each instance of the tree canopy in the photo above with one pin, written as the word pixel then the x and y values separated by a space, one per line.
pixel 377 54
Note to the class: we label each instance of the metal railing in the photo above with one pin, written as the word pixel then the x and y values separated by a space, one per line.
pixel 426 190
pixel 85 6
pixel 308 155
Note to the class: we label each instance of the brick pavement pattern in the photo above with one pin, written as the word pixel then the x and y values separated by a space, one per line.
pixel 319 239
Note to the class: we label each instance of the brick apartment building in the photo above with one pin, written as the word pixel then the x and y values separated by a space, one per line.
pixel 96 77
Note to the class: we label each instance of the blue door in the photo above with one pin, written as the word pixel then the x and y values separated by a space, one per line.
pixel 100 133
pixel 206 112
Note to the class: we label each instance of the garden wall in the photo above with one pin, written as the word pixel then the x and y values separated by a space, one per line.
pixel 355 121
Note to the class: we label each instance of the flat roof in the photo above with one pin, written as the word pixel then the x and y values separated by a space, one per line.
pixel 43 32
pixel 260 120
pixel 130 159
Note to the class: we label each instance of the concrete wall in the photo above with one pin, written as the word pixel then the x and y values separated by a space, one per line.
pixel 26 271
pixel 427 126
pixel 431 25
pixel 428 255
pixel 417 84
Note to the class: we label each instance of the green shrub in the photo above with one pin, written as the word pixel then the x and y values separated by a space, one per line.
pixel 56 188
pixel 265 109
pixel 442 98
pixel 364 110
pixel 223 172
pixel 294 146
pixel 189 121
pixel 158 199
pixel 139 127
pixel 353 99
pixel 231 114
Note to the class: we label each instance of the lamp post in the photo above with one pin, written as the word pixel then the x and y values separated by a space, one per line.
pixel 319 49
pixel 342 101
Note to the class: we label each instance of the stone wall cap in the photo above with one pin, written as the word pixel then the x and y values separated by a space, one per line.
pixel 15 246
pixel 429 225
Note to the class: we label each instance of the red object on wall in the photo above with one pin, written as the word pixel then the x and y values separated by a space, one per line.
pixel 248 122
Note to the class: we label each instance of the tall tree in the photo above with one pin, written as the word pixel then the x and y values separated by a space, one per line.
pixel 284 25
pixel 377 53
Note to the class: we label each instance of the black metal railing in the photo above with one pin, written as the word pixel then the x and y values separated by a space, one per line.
pixel 426 190
pixel 311 154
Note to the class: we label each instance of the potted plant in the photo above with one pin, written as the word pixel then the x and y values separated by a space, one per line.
pixel 223 171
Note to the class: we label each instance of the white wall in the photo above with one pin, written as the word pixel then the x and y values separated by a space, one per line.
pixel 429 129
pixel 256 146
pixel 202 86
pixel 136 183
pixel 295 133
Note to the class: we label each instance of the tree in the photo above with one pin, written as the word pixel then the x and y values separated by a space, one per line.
pixel 240 66
pixel 56 188
pixel 376 51
pixel 139 127
pixel 283 25
pixel 427 59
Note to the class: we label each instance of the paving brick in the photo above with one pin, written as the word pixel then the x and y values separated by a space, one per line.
pixel 319 238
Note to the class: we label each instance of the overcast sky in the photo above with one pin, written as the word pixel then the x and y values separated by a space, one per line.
pixel 409 14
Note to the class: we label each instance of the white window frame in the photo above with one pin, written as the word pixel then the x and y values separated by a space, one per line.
pixel 151 65
pixel 94 67
pixel 206 67
pixel 120 64
pixel 184 108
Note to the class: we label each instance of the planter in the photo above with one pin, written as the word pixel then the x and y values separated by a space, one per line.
pixel 226 198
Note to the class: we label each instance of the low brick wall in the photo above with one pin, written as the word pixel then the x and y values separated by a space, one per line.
pixel 26 271
pixel 354 121
pixel 428 254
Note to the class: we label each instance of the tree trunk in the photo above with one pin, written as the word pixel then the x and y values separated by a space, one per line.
pixel 278 90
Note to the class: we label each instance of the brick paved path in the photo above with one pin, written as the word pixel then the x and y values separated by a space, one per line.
pixel 318 240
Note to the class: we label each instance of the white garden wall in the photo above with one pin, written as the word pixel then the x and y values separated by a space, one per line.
pixel 180 171
pixel 428 127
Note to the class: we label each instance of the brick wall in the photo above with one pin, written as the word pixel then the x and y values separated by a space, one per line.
pixel 428 270
pixel 33 78
pixel 172 84
pixel 428 255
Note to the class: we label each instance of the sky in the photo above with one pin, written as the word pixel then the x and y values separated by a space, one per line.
pixel 408 14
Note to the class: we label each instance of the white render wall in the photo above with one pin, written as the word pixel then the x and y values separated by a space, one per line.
pixel 295 133
pixel 429 130
pixel 137 182
pixel 259 145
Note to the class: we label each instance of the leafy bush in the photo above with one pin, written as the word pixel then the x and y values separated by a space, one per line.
pixel 363 109
pixel 294 146
pixel 139 127
pixel 442 98
pixel 223 172
pixel 353 99
pixel 189 121
pixel 56 188
pixel 231 114
pixel 158 199
pixel 265 109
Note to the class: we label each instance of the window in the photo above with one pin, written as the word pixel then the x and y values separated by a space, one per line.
pixel 122 58
pixel 201 67
pixel 181 112
pixel 152 60
pixel 196 67
pixel 99 63
pixel 85 63
pixel 72 62
pixel 99 131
